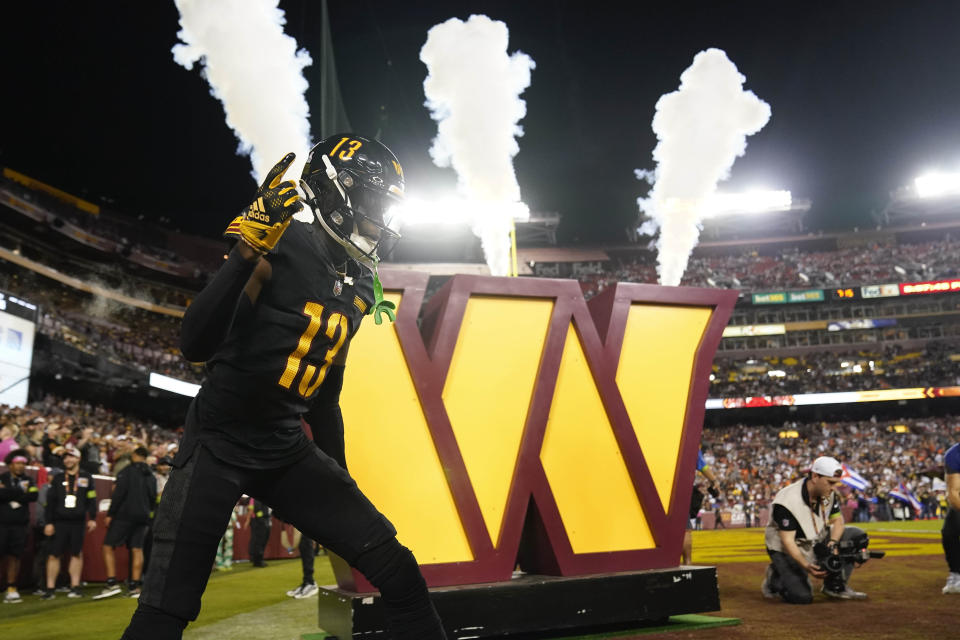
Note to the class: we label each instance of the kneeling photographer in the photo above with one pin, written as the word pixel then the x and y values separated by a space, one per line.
pixel 806 537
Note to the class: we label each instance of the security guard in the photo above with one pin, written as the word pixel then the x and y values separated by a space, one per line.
pixel 17 491
pixel 71 500
pixel 259 519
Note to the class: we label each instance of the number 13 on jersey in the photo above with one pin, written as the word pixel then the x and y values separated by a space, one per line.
pixel 312 378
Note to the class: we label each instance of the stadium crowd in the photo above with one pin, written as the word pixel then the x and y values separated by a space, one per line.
pixel 123 334
pixel 54 436
pixel 753 462
pixel 900 462
pixel 105 438
pixel 149 341
pixel 795 269
pixel 886 367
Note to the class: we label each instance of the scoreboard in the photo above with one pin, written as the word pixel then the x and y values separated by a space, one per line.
pixel 845 293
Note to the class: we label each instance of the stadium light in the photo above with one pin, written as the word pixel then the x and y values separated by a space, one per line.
pixel 721 204
pixel 936 184
pixel 454 211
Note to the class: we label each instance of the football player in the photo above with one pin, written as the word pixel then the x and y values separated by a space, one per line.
pixel 274 326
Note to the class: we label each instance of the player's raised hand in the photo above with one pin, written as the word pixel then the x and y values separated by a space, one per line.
pixel 268 216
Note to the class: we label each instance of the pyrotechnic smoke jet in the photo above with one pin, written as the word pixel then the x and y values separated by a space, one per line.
pixel 702 128
pixel 472 90
pixel 255 70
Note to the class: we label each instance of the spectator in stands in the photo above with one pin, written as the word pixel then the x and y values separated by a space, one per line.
pixel 162 474
pixel 128 521
pixel 123 453
pixel 8 438
pixel 53 439
pixel 755 459
pixel 863 508
pixel 71 511
pixel 89 449
pixel 17 491
pixel 108 428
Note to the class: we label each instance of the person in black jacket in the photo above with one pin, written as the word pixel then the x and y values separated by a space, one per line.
pixel 17 491
pixel 128 521
pixel 71 500
pixel 259 521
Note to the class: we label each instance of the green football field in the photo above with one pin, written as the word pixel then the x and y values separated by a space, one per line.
pixel 252 603
pixel 248 600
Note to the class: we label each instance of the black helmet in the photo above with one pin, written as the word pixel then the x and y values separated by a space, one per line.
pixel 351 182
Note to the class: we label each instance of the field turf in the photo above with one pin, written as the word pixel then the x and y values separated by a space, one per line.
pixel 904 598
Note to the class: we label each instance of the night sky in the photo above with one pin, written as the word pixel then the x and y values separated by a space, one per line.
pixel 864 96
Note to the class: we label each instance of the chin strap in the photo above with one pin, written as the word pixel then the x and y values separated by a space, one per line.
pixel 379 304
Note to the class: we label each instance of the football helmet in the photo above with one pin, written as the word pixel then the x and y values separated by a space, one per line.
pixel 350 182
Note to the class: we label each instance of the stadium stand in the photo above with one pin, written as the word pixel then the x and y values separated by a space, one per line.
pixel 99 326
pixel 51 422
pixel 792 268
pixel 888 367
pixel 754 461
pixel 818 313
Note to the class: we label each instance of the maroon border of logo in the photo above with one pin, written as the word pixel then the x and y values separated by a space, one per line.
pixel 600 326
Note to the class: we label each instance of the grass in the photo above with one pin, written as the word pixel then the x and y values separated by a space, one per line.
pixel 229 595
pixel 252 603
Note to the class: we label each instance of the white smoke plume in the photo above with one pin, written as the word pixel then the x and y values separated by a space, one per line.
pixel 702 128
pixel 472 89
pixel 255 70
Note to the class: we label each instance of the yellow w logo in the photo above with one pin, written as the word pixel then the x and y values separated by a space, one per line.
pixel 522 412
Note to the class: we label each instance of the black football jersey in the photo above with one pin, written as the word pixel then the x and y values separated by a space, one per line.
pixel 276 356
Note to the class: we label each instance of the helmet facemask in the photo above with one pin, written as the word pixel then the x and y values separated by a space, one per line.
pixel 353 209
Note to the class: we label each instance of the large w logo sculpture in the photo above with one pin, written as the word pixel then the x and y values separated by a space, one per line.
pixel 529 423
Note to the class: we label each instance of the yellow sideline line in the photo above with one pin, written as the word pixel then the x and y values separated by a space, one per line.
pixel 746 545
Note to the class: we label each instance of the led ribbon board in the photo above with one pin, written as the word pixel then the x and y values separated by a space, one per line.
pixel 523 414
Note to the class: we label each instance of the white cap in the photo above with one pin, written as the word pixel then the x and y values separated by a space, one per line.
pixel 826 466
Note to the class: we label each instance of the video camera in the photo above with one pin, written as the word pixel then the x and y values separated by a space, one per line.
pixel 853 549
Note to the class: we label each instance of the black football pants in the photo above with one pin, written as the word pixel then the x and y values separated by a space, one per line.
pixel 259 535
pixel 316 496
pixel 791 581
pixel 308 549
pixel 950 535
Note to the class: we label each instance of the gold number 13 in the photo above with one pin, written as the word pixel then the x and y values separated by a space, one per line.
pixel 352 147
pixel 309 382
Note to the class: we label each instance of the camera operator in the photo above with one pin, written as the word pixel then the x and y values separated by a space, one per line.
pixel 805 513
